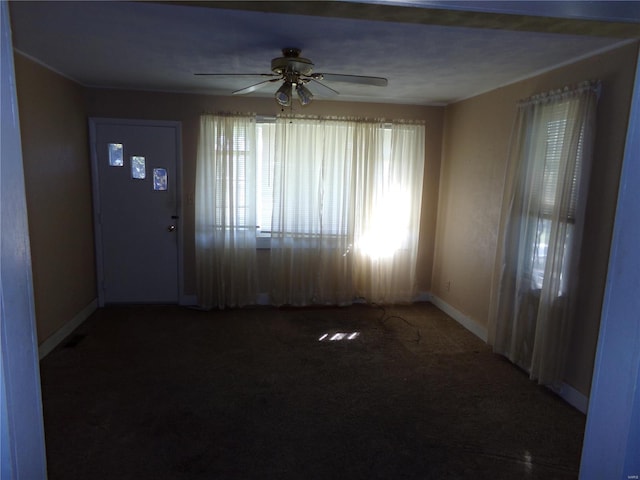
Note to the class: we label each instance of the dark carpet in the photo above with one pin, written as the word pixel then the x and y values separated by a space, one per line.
pixel 171 393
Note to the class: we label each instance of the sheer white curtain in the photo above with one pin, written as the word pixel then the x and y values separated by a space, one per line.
pixel 312 222
pixel 388 180
pixel 535 279
pixel 338 199
pixel 225 211
pixel 346 210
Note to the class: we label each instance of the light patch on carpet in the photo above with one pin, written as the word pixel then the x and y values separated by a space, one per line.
pixel 332 337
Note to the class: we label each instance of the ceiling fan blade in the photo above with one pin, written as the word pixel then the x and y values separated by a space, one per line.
pixel 359 79
pixel 329 90
pixel 237 74
pixel 254 87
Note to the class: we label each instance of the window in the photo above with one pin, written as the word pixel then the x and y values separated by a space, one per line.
pixel 536 289
pixel 116 158
pixel 265 157
pixel 337 200
pixel 233 205
pixel 160 180
pixel 138 169
pixel 549 193
pixel 266 161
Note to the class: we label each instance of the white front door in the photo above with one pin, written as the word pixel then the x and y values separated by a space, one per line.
pixel 135 167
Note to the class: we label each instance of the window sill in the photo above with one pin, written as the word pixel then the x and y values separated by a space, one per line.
pixel 263 243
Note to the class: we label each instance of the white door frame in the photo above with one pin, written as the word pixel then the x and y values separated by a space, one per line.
pixel 22 449
pixel 612 432
pixel 97 227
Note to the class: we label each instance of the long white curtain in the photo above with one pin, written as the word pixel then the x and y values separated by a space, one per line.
pixel 535 281
pixel 388 180
pixel 225 211
pixel 313 212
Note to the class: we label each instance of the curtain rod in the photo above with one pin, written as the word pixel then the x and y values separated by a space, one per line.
pixel 588 85
pixel 265 118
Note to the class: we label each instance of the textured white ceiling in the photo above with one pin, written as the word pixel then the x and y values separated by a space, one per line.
pixel 154 46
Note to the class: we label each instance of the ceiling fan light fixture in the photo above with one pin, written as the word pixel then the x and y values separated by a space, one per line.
pixel 283 95
pixel 304 95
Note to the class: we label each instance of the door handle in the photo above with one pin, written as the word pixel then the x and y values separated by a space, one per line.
pixel 171 228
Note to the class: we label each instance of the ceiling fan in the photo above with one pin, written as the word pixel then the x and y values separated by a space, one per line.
pixel 295 71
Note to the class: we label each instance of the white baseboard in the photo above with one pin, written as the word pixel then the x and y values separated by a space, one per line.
pixel 59 335
pixel 192 300
pixel 569 394
pixel 422 297
pixel 467 322
pixel 574 398
pixel 263 299
pixel 188 300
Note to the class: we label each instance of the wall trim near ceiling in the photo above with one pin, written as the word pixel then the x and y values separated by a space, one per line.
pixel 537 73
pixel 467 322
pixel 48 67
pixel 59 335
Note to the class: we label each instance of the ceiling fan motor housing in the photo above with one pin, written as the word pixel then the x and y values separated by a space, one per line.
pixel 291 62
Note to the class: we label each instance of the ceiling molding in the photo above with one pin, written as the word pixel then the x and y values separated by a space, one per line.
pixel 37 61
pixel 430 16
pixel 542 71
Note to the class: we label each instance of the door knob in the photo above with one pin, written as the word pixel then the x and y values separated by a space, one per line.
pixel 171 228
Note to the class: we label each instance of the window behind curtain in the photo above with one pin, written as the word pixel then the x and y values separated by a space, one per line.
pixel 337 201
pixel 266 162
pixel 536 283
pixel 232 204
pixel 225 228
pixel 265 158
pixel 553 132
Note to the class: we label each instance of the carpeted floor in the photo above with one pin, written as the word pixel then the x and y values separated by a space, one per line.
pixel 172 393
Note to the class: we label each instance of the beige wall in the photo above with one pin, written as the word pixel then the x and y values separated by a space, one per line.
pixel 187 109
pixel 58 186
pixel 475 145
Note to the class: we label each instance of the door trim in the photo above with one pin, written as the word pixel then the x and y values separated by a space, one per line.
pixel 95 186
